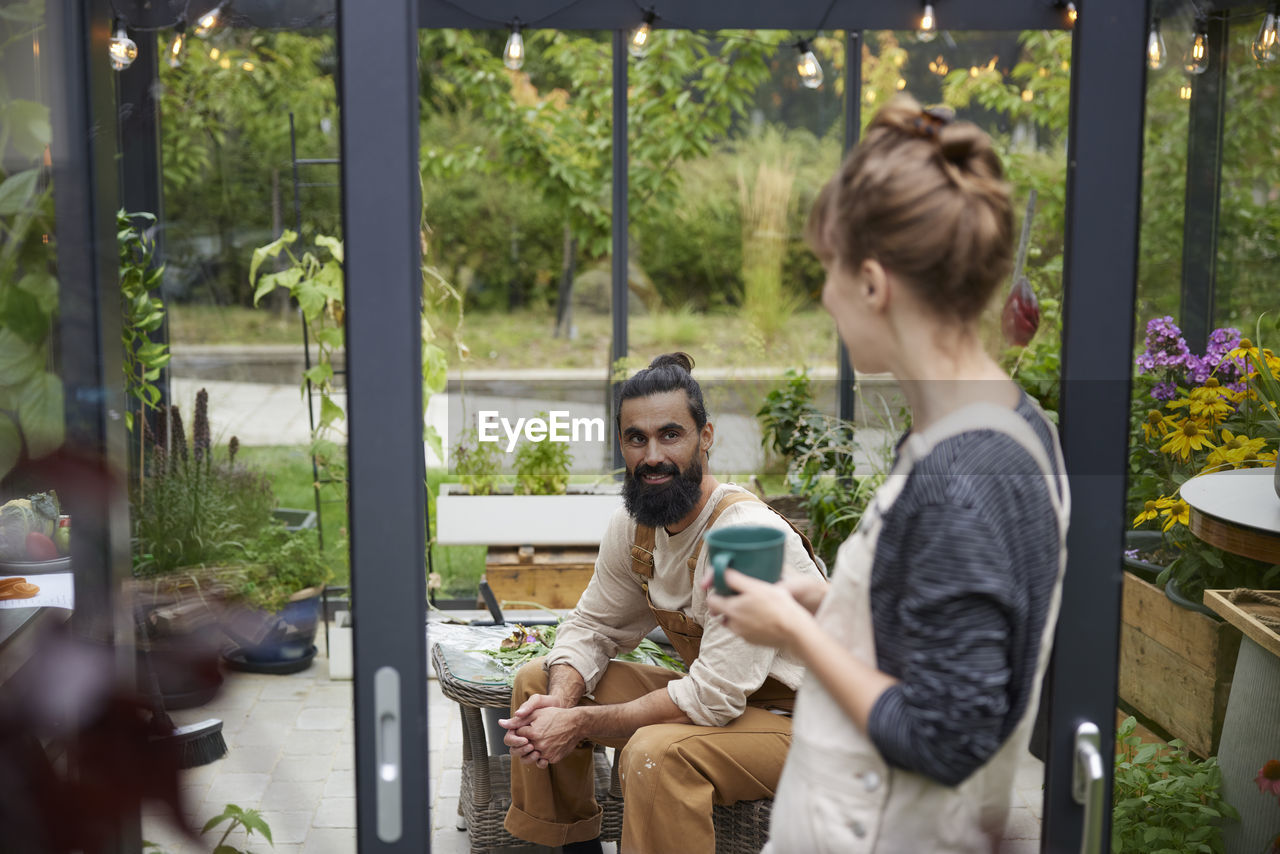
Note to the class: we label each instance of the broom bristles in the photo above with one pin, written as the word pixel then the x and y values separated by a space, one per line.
pixel 198 743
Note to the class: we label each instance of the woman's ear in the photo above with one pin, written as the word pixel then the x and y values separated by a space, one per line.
pixel 875 285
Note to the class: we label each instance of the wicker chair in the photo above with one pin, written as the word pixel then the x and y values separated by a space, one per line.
pixel 741 828
pixel 486 780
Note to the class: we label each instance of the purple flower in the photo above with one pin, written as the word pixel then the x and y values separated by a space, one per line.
pixel 1164 391
pixel 1131 554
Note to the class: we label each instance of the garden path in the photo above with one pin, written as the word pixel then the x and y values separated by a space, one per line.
pixel 291 756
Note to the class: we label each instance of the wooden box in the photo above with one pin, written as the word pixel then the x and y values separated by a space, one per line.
pixel 1175 665
pixel 553 576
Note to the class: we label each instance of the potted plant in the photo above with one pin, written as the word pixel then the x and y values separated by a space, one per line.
pixel 1191 414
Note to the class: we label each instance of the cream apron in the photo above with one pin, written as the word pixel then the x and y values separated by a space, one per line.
pixel 836 793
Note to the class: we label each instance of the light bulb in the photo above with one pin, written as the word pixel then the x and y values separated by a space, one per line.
pixel 939 66
pixel 1073 14
pixel 928 24
pixel 247 66
pixel 121 49
pixel 1197 58
pixel 1264 46
pixel 807 66
pixel 1028 95
pixel 1184 91
pixel 208 20
pixel 1155 47
pixel 176 45
pixel 642 37
pixel 513 53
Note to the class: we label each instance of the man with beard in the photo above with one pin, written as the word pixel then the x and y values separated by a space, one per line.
pixel 714 736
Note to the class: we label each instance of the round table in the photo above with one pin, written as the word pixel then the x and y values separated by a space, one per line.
pixel 1237 511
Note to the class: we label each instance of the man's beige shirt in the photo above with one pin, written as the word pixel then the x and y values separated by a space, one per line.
pixel 613 616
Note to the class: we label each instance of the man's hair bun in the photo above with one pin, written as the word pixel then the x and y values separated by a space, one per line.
pixel 679 360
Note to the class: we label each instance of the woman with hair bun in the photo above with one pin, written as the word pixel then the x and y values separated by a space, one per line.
pixel 926 653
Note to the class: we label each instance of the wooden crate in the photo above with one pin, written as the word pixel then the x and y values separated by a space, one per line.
pixel 554 576
pixel 1175 665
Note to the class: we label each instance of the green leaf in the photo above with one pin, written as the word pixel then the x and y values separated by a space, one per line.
pixel 19 360
pixel 43 287
pixel 253 820
pixel 271 250
pixel 432 437
pixel 30 12
pixel 329 411
pixel 333 244
pixel 284 279
pixel 215 821
pixel 329 336
pixel 319 374
pixel 227 849
pixel 10 444
pixel 40 412
pixel 435 370
pixel 17 190
pixel 22 314
pixel 311 299
pixel 29 127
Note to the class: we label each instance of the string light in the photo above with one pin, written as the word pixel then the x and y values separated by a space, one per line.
pixel 214 53
pixel 1197 59
pixel 209 20
pixel 1027 94
pixel 928 30
pixel 901 84
pixel 939 66
pixel 1184 91
pixel 247 65
pixel 642 36
pixel 122 49
pixel 1156 52
pixel 1264 46
pixel 1073 15
pixel 224 63
pixel 807 66
pixel 177 43
pixel 513 53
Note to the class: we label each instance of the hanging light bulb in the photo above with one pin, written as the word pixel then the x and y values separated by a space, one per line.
pixel 1184 91
pixel 513 53
pixel 928 24
pixel 177 43
pixel 642 36
pixel 807 66
pixel 209 20
pixel 1264 46
pixel 121 48
pixel 1073 14
pixel 1197 59
pixel 1155 46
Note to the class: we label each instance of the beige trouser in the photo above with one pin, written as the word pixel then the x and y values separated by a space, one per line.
pixel 671 774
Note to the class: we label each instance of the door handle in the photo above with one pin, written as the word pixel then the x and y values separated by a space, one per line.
pixel 390 765
pixel 1087 786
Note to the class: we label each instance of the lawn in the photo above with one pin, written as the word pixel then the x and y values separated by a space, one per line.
pixel 523 339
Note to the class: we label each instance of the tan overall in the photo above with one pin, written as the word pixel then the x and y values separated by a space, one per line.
pixel 671 774
pixel 837 794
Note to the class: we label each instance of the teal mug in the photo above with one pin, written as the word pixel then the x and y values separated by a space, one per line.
pixel 753 550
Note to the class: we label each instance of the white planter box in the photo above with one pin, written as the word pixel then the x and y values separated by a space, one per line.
pixel 341 663
pixel 578 518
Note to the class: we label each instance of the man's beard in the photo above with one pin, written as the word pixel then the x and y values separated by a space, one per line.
pixel 664 503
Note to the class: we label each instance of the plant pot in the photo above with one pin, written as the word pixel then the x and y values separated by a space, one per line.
pixel 578 518
pixel 1176 596
pixel 1144 541
pixel 294 518
pixel 281 638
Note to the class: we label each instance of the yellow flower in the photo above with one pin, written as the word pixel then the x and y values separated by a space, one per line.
pixel 1209 402
pixel 1151 510
pixel 1233 450
pixel 1244 349
pixel 1178 512
pixel 1157 425
pixel 1187 437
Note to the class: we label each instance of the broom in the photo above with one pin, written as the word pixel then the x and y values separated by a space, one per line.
pixel 199 743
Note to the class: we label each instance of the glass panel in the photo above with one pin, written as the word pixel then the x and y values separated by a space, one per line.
pixel 239 504
pixel 1178 659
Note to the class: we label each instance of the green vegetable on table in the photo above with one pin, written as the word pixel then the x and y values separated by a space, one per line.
pixel 527 643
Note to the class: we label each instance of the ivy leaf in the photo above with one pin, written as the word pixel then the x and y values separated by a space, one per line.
pixel 271 250
pixel 329 412
pixel 17 190
pixel 435 370
pixel 432 437
pixel 23 315
pixel 10 444
pixel 319 374
pixel 40 412
pixel 333 244
pixel 284 279
pixel 329 336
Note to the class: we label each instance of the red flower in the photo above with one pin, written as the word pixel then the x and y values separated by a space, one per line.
pixel 1268 778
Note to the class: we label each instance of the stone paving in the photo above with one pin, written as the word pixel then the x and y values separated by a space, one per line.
pixel 291 756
